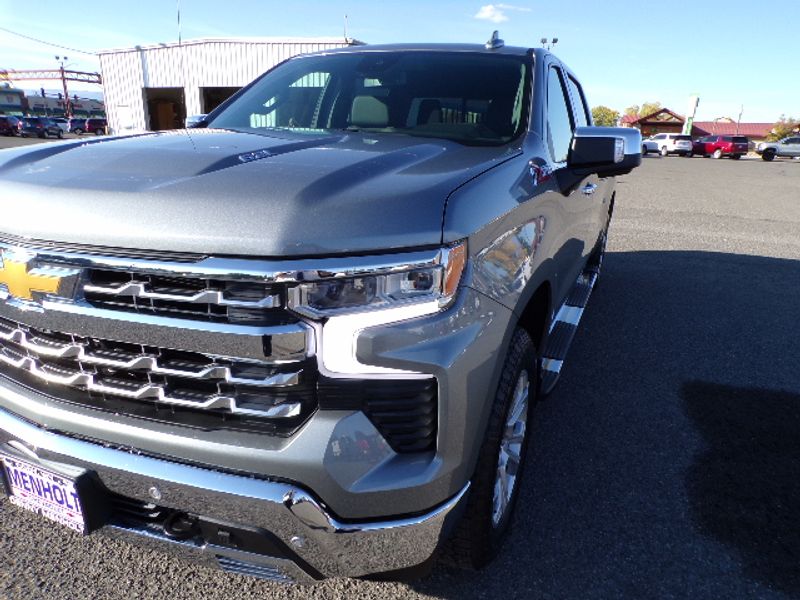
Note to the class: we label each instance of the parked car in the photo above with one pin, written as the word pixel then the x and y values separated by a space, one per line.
pixel 10 125
pixel 62 122
pixel 309 342
pixel 717 146
pixel 787 147
pixel 672 143
pixel 96 126
pixel 40 127
pixel 77 125
pixel 649 146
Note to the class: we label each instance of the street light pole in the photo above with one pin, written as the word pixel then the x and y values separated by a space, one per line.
pixel 548 44
pixel 67 103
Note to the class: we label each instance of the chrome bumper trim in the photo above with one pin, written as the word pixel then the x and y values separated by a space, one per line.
pixel 332 547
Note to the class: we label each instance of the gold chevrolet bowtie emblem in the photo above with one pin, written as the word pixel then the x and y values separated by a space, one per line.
pixel 21 281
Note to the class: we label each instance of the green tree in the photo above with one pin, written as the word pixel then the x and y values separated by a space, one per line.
pixel 604 116
pixel 632 110
pixel 648 108
pixel 783 128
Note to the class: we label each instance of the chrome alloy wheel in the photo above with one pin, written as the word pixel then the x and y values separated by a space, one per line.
pixel 511 444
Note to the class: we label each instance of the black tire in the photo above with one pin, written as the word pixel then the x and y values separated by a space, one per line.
pixel 60 134
pixel 736 156
pixel 644 150
pixel 77 131
pixel 43 135
pixel 768 155
pixel 98 132
pixel 480 533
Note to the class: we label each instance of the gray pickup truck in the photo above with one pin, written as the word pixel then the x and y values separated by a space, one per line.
pixel 788 147
pixel 304 338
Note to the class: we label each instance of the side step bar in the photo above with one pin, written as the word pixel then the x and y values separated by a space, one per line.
pixel 564 326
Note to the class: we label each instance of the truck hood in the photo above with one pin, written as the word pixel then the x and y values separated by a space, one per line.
pixel 217 192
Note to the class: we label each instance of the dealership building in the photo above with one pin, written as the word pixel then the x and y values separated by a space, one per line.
pixel 151 88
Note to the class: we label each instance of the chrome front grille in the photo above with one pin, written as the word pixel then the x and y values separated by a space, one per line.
pixel 189 297
pixel 101 373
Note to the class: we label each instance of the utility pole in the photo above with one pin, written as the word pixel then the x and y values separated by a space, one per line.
pixel 739 120
pixel 67 103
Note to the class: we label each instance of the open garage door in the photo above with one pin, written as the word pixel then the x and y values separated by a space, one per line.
pixel 166 108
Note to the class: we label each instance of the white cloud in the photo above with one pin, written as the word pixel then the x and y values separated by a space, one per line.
pixel 512 7
pixel 492 13
pixel 496 13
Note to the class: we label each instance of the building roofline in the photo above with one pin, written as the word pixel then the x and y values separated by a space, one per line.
pixel 239 40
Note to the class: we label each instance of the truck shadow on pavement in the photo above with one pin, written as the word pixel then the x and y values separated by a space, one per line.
pixel 667 462
pixel 745 487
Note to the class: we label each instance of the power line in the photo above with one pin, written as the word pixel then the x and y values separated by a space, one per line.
pixel 27 37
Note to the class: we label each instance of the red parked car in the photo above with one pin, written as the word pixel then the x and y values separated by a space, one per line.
pixel 717 146
pixel 10 125
pixel 96 126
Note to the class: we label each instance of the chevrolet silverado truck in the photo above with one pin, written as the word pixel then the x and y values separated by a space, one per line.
pixel 304 338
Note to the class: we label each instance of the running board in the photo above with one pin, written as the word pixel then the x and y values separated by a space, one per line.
pixel 564 326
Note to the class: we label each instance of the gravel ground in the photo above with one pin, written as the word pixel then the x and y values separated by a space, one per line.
pixel 665 465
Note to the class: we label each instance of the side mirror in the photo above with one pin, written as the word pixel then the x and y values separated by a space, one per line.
pixel 606 151
pixel 195 121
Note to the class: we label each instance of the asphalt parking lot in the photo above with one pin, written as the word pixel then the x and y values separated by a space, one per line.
pixel 667 462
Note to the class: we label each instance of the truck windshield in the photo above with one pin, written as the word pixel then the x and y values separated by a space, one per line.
pixel 467 97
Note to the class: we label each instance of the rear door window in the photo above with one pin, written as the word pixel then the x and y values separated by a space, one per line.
pixel 581 112
pixel 559 121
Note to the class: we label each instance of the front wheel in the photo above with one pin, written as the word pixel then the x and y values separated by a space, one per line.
pixel 717 153
pixel 644 150
pixel 60 134
pixel 768 155
pixel 496 483
pixel 664 151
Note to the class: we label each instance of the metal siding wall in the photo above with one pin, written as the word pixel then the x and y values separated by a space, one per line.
pixel 191 66
pixel 123 92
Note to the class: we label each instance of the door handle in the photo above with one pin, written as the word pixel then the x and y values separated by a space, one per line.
pixel 589 189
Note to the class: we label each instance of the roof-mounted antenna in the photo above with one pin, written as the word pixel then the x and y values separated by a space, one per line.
pixel 495 42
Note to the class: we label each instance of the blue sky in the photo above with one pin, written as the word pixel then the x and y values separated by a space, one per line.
pixel 730 52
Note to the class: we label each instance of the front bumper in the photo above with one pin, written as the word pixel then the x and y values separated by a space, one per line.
pixel 313 543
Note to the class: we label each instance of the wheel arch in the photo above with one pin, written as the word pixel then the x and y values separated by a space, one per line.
pixel 536 314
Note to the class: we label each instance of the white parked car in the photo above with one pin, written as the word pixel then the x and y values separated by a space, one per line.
pixel 649 146
pixel 669 143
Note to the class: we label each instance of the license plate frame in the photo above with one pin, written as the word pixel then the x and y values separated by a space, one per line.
pixel 58 497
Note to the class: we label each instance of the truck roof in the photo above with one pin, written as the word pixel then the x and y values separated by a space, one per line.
pixel 480 48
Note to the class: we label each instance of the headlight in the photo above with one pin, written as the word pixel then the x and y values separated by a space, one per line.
pixel 398 284
pixel 358 297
